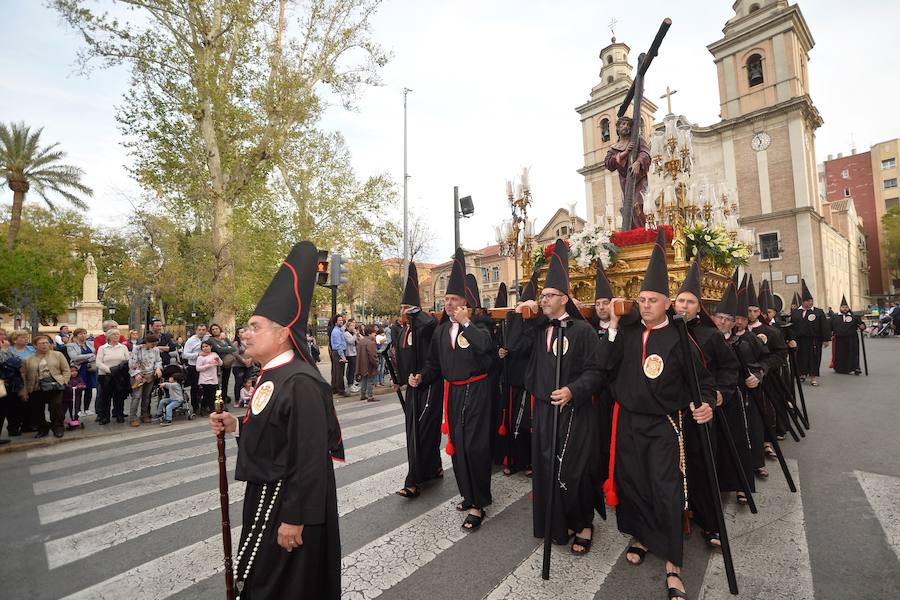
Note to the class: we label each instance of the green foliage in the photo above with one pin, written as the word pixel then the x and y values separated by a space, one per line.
pixel 890 221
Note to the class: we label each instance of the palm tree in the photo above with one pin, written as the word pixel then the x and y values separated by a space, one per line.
pixel 25 165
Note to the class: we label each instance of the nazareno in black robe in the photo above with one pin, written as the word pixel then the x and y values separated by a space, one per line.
pixel 776 393
pixel 845 338
pixel 516 441
pixel 424 403
pixel 756 356
pixel 649 484
pixel 721 362
pixel 810 329
pixel 288 438
pixel 578 482
pixel 467 404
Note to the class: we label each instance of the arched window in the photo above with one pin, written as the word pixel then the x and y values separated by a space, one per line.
pixel 753 8
pixel 495 274
pixel 443 283
pixel 485 277
pixel 609 59
pixel 604 130
pixel 609 79
pixel 754 70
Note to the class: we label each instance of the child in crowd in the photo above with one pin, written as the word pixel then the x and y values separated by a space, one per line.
pixel 73 388
pixel 173 399
pixel 247 392
pixel 208 363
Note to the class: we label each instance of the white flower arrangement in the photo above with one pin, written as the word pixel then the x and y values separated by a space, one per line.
pixel 591 244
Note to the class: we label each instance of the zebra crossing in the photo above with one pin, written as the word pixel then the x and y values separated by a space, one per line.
pixel 136 516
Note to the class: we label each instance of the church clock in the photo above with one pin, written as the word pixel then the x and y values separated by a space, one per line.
pixel 760 141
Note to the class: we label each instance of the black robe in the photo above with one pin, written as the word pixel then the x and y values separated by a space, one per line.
pixel 424 404
pixel 516 443
pixel 810 329
pixel 577 484
pixel 756 356
pixel 284 454
pixel 845 338
pixel 604 404
pixel 719 359
pixel 646 466
pixel 777 394
pixel 467 401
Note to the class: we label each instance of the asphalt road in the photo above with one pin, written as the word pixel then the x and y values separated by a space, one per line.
pixel 136 516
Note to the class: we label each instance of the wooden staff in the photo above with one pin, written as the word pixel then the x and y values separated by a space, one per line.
pixel 223 503
pixel 551 484
pixel 862 341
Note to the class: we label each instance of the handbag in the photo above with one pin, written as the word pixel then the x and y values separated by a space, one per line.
pixel 228 361
pixel 50 385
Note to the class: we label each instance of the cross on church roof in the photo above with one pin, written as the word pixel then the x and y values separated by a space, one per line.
pixel 612 27
pixel 668 96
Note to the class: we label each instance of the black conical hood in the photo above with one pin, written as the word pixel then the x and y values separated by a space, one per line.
pixel 656 278
pixel 843 300
pixel 770 297
pixel 558 268
pixel 742 308
pixel 691 281
pixel 806 295
pixel 602 287
pixel 457 283
pixel 529 290
pixel 728 303
pixel 734 278
pixel 502 301
pixel 762 300
pixel 411 291
pixel 473 298
pixel 752 298
pixel 288 298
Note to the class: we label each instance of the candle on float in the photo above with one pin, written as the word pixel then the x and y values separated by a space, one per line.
pixel 509 188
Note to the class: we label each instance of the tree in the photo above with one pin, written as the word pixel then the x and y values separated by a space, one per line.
pixel 219 90
pixel 890 221
pixel 26 166
pixel 420 241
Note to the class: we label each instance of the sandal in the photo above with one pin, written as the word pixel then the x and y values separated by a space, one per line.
pixel 675 592
pixel 770 453
pixel 529 472
pixel 742 498
pixel 408 493
pixel 762 472
pixel 473 522
pixel 640 552
pixel 585 543
pixel 711 538
pixel 463 506
pixel 814 383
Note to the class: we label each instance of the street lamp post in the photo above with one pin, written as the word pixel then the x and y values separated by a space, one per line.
pixel 518 230
pixel 405 262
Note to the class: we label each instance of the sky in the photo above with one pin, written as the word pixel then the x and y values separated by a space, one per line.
pixel 494 87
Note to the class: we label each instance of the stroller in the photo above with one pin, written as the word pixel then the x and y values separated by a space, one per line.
pixel 185 409
pixel 883 328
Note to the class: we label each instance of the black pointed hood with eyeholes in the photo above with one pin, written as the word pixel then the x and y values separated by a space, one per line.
pixel 558 276
pixel 752 298
pixel 457 283
pixel 806 295
pixel 728 304
pixel 529 290
pixel 473 298
pixel 411 290
pixel 288 298
pixel 502 300
pixel 602 286
pixel 656 278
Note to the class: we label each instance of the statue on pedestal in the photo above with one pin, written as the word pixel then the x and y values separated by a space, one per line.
pixel 89 311
pixel 617 160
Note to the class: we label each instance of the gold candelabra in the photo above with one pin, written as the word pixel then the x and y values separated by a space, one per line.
pixel 515 236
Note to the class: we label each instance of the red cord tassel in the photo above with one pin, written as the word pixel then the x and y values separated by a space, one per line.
pixel 831 366
pixel 609 486
pixel 450 449
pixel 502 430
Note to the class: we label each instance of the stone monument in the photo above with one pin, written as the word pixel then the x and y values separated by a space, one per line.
pixel 89 311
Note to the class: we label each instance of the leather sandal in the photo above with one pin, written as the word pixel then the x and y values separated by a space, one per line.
pixel 463 506
pixel 675 592
pixel 585 543
pixel 473 522
pixel 709 537
pixel 408 493
pixel 640 552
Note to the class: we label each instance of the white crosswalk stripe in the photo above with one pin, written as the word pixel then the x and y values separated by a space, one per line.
pixel 882 492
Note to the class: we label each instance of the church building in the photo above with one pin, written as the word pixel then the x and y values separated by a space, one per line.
pixel 763 148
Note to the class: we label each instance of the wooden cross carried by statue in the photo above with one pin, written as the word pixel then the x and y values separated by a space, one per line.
pixel 636 93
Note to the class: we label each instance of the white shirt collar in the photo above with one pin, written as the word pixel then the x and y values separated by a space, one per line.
pixel 280 360
pixel 605 324
pixel 755 324
pixel 660 326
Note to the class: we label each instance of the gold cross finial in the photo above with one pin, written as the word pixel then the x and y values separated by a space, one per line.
pixel 612 28
pixel 668 96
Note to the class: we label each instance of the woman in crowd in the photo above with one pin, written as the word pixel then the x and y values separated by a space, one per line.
pixel 134 340
pixel 110 359
pixel 242 364
pixel 313 344
pixel 21 349
pixel 225 350
pixel 85 360
pixel 46 375
pixel 13 404
pixel 350 336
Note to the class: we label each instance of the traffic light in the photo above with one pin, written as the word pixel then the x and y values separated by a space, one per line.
pixel 338 270
pixel 322 268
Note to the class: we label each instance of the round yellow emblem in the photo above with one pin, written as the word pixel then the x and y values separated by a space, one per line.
pixel 653 366
pixel 811 317
pixel 462 342
pixel 565 346
pixel 763 338
pixel 261 397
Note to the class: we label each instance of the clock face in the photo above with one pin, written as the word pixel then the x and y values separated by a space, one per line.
pixel 760 141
